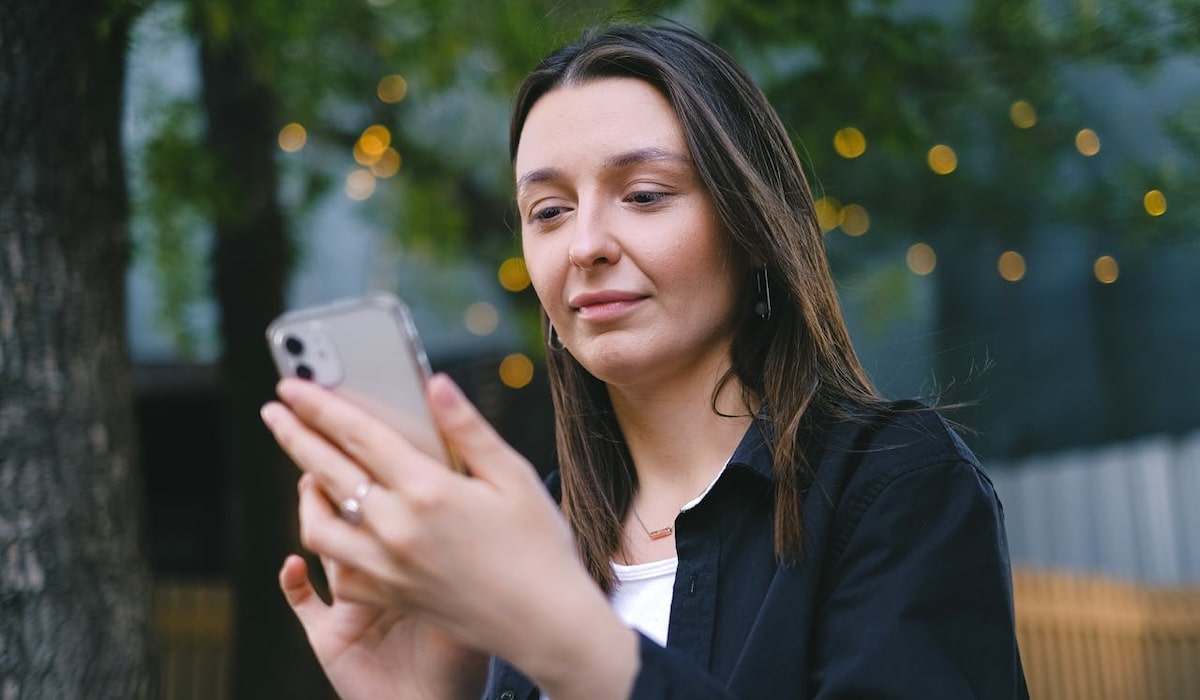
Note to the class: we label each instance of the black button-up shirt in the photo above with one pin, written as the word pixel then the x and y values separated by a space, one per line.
pixel 903 590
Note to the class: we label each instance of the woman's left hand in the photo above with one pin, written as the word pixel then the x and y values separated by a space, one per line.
pixel 486 557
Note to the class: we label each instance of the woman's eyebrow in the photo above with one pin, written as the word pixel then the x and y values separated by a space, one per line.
pixel 619 161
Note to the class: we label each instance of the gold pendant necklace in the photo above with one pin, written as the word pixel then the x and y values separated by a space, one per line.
pixel 652 534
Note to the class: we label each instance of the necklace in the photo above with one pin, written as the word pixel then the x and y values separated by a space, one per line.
pixel 652 534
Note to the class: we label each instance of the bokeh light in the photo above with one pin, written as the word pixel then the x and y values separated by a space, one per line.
pixel 1023 115
pixel 1011 266
pixel 360 184
pixel 391 88
pixel 855 220
pixel 921 259
pixel 1087 142
pixel 849 142
pixel 942 159
pixel 829 213
pixel 1155 203
pixel 516 371
pixel 481 318
pixel 1106 269
pixel 513 275
pixel 292 137
pixel 388 163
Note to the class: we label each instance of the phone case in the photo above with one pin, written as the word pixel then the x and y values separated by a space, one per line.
pixel 368 351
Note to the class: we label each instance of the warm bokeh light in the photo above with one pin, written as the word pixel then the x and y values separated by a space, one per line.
pixel 1087 142
pixel 1023 115
pixel 292 137
pixel 388 164
pixel 375 140
pixel 921 259
pixel 829 213
pixel 1106 269
pixel 513 275
pixel 1011 266
pixel 855 220
pixel 1155 203
pixel 360 184
pixel 942 159
pixel 849 142
pixel 481 318
pixel 516 371
pixel 391 88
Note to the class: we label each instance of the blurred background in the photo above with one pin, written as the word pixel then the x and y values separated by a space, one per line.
pixel 1010 191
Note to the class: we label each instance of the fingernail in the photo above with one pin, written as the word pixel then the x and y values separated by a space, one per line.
pixel 269 413
pixel 445 392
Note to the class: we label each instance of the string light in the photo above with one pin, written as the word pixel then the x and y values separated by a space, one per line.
pixel 829 213
pixel 1023 115
pixel 516 371
pixel 849 142
pixel 391 88
pixel 855 220
pixel 360 184
pixel 1106 269
pixel 1087 142
pixel 942 159
pixel 292 137
pixel 481 318
pixel 513 275
pixel 388 164
pixel 1011 266
pixel 1155 203
pixel 921 259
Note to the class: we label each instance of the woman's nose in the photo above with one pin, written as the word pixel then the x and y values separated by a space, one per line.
pixel 593 242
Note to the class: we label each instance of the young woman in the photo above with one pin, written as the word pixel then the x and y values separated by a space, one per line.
pixel 737 513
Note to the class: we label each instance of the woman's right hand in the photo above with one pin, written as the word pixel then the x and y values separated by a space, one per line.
pixel 373 652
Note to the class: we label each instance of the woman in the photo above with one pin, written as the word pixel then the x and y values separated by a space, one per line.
pixel 739 514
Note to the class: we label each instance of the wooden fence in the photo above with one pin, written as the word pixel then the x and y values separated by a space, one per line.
pixel 1081 637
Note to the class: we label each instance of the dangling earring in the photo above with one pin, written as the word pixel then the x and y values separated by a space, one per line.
pixel 762 303
pixel 552 339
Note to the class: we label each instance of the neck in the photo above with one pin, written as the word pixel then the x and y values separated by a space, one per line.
pixel 678 442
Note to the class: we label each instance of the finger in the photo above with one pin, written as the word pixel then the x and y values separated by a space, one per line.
pixel 301 597
pixel 370 442
pixel 471 437
pixel 325 532
pixel 317 457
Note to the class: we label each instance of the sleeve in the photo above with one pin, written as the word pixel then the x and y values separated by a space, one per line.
pixel 665 674
pixel 920 596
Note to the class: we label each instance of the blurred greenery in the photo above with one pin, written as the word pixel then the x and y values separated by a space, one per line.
pixel 908 75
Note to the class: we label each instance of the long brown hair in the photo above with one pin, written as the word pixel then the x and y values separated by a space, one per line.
pixel 798 360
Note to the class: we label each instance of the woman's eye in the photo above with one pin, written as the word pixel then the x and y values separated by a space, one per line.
pixel 647 197
pixel 546 214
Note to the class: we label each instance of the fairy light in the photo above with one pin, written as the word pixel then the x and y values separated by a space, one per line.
pixel 1023 115
pixel 1087 142
pixel 1106 269
pixel 921 259
pixel 391 88
pixel 360 184
pixel 292 137
pixel 1155 203
pixel 1011 266
pixel 942 159
pixel 481 318
pixel 516 371
pixel 855 220
pixel 849 142
pixel 513 275
pixel 829 213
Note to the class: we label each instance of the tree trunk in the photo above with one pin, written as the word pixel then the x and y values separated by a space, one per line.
pixel 74 582
pixel 250 269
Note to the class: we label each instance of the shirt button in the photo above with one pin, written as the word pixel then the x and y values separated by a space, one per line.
pixel 508 695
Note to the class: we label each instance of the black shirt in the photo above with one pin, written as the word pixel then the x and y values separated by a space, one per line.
pixel 903 591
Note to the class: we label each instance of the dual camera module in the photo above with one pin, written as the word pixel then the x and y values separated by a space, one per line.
pixel 295 348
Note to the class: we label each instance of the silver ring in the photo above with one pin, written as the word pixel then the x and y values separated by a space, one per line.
pixel 351 506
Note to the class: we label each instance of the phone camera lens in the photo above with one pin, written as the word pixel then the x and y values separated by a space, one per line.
pixel 304 372
pixel 293 344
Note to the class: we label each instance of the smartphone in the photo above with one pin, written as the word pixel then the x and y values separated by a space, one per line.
pixel 368 351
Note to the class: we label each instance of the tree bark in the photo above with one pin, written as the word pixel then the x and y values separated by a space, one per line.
pixel 74 583
pixel 251 262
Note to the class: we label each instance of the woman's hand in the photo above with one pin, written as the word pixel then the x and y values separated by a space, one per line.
pixel 372 652
pixel 486 558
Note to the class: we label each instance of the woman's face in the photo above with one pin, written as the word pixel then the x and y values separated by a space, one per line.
pixel 621 240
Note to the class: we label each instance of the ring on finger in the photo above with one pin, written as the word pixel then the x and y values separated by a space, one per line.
pixel 351 506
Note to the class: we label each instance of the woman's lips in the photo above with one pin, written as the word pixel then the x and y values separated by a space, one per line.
pixel 605 305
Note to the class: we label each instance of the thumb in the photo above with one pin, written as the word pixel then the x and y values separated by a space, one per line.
pixel 299 592
pixel 470 436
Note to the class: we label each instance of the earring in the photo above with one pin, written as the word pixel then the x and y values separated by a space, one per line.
pixel 762 303
pixel 552 339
